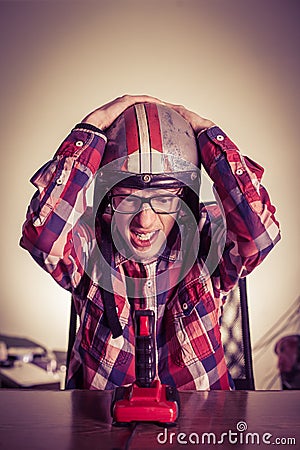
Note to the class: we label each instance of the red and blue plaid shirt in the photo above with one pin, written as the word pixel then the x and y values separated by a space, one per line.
pixel 188 342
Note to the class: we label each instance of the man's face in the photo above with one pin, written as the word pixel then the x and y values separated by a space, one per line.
pixel 143 228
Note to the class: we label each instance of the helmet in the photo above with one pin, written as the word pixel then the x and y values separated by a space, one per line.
pixel 151 146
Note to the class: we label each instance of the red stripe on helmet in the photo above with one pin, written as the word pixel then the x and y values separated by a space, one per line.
pixel 132 135
pixel 154 127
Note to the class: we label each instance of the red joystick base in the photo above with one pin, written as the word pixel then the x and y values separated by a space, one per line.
pixel 158 403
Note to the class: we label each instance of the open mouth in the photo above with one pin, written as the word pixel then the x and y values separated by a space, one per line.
pixel 143 239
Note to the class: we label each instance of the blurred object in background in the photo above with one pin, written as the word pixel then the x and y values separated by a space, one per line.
pixel 27 364
pixel 288 351
pixel 3 353
pixel 288 325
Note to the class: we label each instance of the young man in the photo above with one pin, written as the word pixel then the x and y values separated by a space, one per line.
pixel 147 242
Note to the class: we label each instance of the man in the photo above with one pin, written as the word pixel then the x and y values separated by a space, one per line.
pixel 147 243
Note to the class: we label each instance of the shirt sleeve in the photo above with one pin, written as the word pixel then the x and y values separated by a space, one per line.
pixel 251 227
pixel 52 232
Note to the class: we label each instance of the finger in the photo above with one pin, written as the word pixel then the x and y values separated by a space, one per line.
pixel 120 104
pixel 179 108
pixel 132 99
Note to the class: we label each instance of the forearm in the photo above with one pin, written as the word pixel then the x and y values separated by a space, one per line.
pixel 54 211
pixel 235 176
pixel 252 230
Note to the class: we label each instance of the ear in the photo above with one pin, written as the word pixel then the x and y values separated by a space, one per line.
pixel 182 217
pixel 107 214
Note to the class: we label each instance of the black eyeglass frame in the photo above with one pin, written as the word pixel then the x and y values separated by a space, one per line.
pixel 146 200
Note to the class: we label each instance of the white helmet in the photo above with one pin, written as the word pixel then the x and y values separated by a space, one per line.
pixel 151 146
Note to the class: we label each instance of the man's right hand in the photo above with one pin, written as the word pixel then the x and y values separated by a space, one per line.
pixel 104 116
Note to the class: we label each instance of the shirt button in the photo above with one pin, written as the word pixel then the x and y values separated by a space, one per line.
pixel 220 137
pixel 185 306
pixel 149 283
pixel 239 172
pixel 59 181
pixel 79 143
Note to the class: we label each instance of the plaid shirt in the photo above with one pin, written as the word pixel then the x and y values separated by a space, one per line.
pixel 188 341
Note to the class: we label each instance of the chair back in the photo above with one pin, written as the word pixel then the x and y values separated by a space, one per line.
pixel 235 332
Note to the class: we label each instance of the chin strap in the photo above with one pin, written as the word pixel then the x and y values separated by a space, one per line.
pixel 107 295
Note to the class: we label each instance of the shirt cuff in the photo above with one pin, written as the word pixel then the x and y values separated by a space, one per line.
pixel 216 135
pixel 88 126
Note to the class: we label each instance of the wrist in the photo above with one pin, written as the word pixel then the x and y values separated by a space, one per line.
pixel 90 120
pixel 204 125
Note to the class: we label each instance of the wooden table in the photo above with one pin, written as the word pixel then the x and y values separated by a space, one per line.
pixel 80 420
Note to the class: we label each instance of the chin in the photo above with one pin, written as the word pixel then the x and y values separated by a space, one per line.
pixel 144 255
pixel 147 255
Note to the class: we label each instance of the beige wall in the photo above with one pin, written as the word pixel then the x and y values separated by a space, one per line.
pixel 235 61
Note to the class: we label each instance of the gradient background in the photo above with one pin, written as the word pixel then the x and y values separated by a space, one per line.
pixel 234 61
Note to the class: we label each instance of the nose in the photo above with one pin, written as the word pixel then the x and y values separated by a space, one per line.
pixel 145 217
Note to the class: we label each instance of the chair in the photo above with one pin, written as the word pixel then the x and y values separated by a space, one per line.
pixel 72 335
pixel 236 337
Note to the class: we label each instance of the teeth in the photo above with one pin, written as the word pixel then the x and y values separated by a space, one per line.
pixel 145 236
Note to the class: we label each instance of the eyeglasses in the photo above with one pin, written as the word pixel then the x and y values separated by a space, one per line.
pixel 131 204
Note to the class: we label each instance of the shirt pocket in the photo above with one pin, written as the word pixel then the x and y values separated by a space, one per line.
pixel 97 340
pixel 194 333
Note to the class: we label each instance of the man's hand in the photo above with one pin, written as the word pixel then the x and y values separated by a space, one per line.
pixel 197 122
pixel 104 116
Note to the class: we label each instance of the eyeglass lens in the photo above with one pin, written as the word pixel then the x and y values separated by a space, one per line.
pixel 161 204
